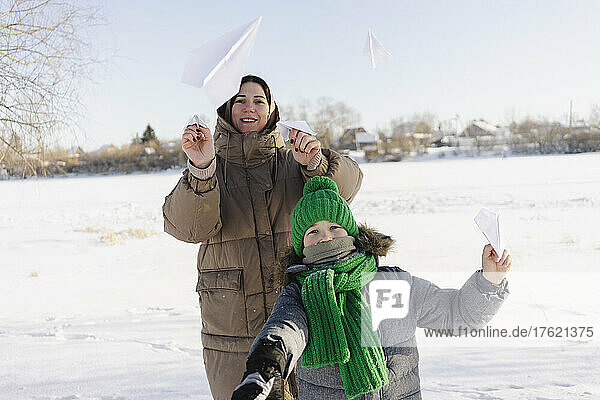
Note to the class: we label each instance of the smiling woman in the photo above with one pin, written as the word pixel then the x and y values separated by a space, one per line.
pixel 250 110
pixel 236 198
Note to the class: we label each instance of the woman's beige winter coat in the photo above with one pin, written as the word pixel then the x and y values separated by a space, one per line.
pixel 242 217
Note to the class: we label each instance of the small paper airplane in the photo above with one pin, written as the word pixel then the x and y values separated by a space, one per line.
pixel 196 120
pixel 374 50
pixel 489 224
pixel 285 126
pixel 218 66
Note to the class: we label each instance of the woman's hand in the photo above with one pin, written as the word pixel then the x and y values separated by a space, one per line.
pixel 198 144
pixel 306 146
pixel 494 267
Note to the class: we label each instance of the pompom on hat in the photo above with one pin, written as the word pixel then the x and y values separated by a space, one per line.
pixel 321 201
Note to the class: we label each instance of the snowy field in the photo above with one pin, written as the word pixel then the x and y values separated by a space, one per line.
pixel 98 303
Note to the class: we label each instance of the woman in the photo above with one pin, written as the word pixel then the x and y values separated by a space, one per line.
pixel 236 198
pixel 323 312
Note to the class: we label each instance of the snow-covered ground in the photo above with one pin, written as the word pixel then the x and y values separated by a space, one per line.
pixel 98 303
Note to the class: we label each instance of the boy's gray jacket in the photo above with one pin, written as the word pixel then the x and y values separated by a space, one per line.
pixel 471 306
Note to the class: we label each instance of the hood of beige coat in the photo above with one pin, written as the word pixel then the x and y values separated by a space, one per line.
pixel 246 149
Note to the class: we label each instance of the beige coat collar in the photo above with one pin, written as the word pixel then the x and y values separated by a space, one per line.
pixel 245 149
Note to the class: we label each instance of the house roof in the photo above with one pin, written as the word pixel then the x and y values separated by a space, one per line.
pixel 75 151
pixel 106 147
pixel 486 126
pixel 366 137
pixel 352 131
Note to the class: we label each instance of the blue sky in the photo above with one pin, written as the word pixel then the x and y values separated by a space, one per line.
pixel 478 59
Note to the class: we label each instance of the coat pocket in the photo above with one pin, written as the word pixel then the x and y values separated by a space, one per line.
pixel 225 279
pixel 222 302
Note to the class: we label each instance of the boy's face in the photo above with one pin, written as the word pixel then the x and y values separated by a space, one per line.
pixel 323 231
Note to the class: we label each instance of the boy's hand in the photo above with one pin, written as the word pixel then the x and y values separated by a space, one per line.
pixel 495 268
pixel 262 379
pixel 253 387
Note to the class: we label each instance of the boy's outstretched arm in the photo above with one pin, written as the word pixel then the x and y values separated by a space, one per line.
pixel 276 349
pixel 471 306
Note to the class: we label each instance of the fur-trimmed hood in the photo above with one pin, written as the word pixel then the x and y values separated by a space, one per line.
pixel 368 240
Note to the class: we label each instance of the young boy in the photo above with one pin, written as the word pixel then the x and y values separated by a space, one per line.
pixel 323 315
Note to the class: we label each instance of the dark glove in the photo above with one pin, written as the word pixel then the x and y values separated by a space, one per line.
pixel 262 379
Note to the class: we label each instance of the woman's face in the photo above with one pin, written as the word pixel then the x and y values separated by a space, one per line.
pixel 323 231
pixel 250 111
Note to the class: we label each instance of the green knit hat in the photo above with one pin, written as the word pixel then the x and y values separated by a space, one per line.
pixel 321 201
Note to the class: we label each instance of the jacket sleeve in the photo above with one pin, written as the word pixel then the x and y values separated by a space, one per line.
pixel 286 327
pixel 343 170
pixel 192 211
pixel 472 306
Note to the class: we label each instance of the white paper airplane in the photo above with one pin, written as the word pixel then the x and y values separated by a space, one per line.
pixel 489 224
pixel 374 50
pixel 197 121
pixel 218 66
pixel 285 126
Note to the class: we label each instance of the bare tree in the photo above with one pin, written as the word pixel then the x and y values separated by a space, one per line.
pixel 425 120
pixel 595 115
pixel 422 127
pixel 45 53
pixel 300 111
pixel 329 118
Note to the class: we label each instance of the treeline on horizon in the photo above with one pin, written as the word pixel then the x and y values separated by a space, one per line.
pixel 339 128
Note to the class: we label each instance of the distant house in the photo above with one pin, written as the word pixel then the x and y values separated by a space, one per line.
pixel 422 135
pixel 482 128
pixel 366 140
pixel 171 145
pixel 75 152
pixel 348 139
pixel 107 149
pixel 359 139
pixel 580 127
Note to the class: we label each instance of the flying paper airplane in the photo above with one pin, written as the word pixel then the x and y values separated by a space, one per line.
pixel 218 66
pixel 374 50
pixel 489 224
pixel 286 126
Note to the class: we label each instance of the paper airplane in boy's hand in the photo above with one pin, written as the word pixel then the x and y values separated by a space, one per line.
pixel 489 224
pixel 218 66
pixel 286 126
pixel 374 50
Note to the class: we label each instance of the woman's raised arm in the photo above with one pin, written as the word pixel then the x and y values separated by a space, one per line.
pixel 192 211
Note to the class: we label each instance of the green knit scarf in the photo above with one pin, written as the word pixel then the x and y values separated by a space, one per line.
pixel 334 305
